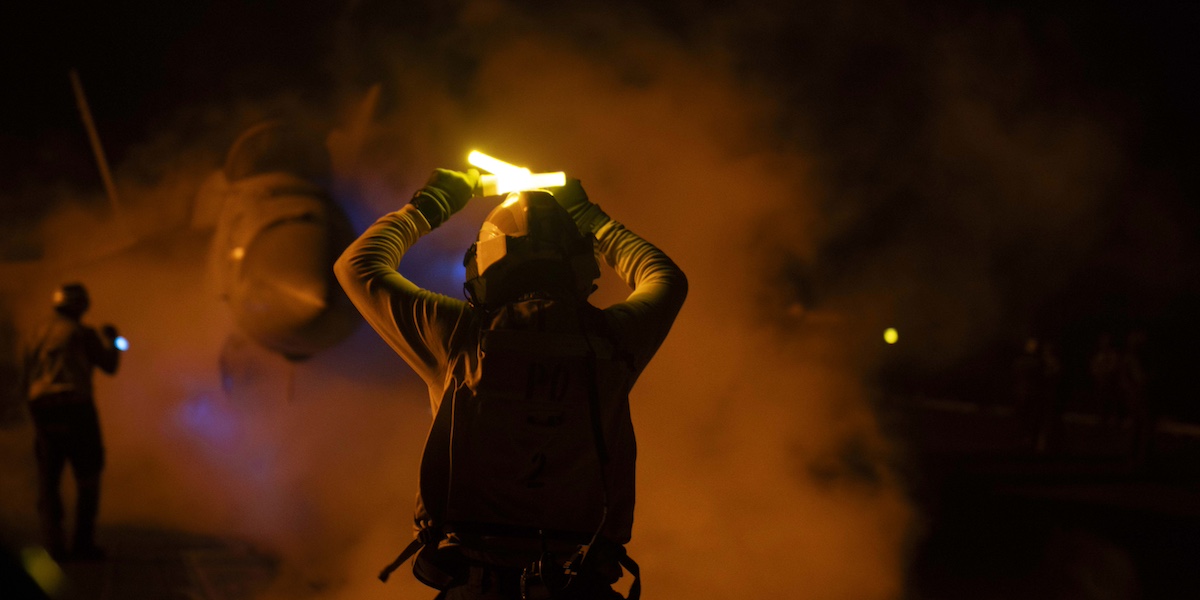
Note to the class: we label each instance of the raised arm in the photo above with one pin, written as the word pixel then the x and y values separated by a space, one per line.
pixel 659 289
pixel 659 286
pixel 102 348
pixel 416 323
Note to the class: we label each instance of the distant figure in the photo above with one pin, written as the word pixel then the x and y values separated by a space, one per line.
pixel 1037 378
pixel 1103 367
pixel 1132 382
pixel 58 365
pixel 1026 369
pixel 1027 384
pixel 1053 399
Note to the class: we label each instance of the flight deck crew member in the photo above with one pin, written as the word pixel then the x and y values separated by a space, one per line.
pixel 58 364
pixel 526 486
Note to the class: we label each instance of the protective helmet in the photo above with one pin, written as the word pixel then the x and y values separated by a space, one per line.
pixel 529 244
pixel 71 299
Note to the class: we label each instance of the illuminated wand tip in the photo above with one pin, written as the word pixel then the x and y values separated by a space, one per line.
pixel 506 177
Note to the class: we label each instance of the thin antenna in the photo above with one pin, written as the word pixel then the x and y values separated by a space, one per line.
pixel 97 149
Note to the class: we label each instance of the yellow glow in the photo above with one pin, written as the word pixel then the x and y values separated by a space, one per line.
pixel 890 335
pixel 507 177
pixel 488 163
pixel 545 180
pixel 43 570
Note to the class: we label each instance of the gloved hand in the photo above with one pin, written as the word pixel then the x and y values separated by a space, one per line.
pixel 444 194
pixel 586 215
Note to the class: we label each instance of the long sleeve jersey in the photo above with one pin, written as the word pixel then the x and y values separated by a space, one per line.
pixel 428 329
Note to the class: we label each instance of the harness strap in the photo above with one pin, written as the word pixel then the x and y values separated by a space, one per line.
pixel 635 589
pixel 630 565
pixel 405 554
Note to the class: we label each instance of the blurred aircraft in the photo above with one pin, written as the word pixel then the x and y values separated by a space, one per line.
pixel 276 237
pixel 277 232
pixel 266 229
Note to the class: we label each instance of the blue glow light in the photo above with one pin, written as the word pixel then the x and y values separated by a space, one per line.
pixel 121 343
pixel 206 418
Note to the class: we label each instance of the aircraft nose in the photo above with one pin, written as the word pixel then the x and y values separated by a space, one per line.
pixel 283 288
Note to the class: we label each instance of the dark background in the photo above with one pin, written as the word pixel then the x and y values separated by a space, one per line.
pixel 868 90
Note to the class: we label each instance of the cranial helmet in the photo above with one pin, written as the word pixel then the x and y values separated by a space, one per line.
pixel 71 299
pixel 529 244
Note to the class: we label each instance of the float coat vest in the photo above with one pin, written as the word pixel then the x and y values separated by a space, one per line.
pixel 537 434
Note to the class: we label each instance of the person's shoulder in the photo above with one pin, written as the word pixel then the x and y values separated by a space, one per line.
pixel 86 331
pixel 59 322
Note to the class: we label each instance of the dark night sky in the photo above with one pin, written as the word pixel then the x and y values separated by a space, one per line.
pixel 855 79
pixel 141 61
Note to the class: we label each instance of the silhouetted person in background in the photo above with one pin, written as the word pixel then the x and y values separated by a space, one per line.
pixel 526 484
pixel 1103 368
pixel 1027 390
pixel 1132 380
pixel 1053 400
pixel 1056 397
pixel 59 362
pixel 1038 380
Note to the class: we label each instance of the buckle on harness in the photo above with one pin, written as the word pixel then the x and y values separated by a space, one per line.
pixel 544 579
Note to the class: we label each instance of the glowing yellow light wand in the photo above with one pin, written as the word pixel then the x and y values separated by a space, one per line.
pixel 505 177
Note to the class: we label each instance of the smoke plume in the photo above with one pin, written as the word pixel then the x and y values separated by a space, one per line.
pixel 819 174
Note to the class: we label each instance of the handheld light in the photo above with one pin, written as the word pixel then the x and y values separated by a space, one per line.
pixel 507 177
pixel 121 343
